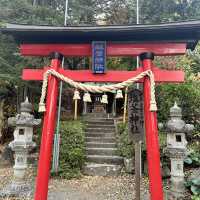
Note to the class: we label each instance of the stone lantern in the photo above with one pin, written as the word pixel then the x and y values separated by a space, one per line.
pixel 21 145
pixel 176 148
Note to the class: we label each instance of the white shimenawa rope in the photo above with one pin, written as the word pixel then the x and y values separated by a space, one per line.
pixel 97 89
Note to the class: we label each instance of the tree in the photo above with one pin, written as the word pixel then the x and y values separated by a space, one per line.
pixel 119 11
pixel 156 11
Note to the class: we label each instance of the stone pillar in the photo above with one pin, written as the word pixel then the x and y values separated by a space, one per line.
pixel 176 149
pixel 84 108
pixel 1 117
pixel 21 145
pixel 114 107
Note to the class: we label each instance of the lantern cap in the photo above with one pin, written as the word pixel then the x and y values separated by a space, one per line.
pixel 26 106
pixel 175 111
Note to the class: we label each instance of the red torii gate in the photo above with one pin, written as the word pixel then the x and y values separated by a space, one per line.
pixel 34 42
pixel 110 76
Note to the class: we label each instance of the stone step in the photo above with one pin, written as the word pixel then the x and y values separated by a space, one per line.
pixel 100 145
pixel 96 122
pixel 103 130
pixel 94 119
pixel 107 126
pixel 101 140
pixel 95 169
pixel 96 115
pixel 101 159
pixel 99 128
pixel 102 135
pixel 101 151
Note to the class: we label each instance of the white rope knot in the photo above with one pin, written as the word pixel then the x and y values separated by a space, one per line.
pixel 97 89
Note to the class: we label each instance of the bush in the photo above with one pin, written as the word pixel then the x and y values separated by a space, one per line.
pixel 72 149
pixel 187 96
pixel 193 158
pixel 121 127
pixel 196 197
pixel 125 146
pixel 194 186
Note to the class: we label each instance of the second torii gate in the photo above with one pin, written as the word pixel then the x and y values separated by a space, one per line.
pixel 143 41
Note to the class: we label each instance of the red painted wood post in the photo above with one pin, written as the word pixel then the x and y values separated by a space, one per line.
pixel 43 173
pixel 153 153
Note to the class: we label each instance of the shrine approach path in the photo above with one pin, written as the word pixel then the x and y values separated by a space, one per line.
pixel 95 188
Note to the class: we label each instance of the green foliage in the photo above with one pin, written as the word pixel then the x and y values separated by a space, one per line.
pixel 162 139
pixel 51 12
pixel 22 12
pixel 187 95
pixel 72 149
pixel 125 146
pixel 196 197
pixel 195 57
pixel 121 127
pixel 124 63
pixel 154 11
pixel 194 186
pixel 193 158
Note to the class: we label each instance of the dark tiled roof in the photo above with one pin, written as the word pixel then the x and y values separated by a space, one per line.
pixel 188 32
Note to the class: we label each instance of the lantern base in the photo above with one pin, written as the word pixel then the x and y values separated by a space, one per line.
pixel 19 189
pixel 172 195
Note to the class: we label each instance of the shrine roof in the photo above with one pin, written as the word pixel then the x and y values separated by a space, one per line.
pixel 186 32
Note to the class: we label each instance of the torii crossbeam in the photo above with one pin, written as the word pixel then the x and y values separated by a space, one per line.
pixel 134 40
pixel 161 76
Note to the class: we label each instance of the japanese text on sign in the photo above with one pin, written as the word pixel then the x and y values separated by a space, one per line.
pixel 99 57
pixel 135 112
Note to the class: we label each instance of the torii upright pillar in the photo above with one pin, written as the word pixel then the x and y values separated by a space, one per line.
pixel 151 127
pixel 48 132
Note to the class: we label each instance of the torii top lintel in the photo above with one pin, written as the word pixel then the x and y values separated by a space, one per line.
pixel 131 40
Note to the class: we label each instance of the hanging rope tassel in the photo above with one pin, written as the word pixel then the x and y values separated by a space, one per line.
pixel 42 106
pixel 119 94
pixel 76 95
pixel 104 99
pixel 87 97
pixel 153 105
pixel 98 89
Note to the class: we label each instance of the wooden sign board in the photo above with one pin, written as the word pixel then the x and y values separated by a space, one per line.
pixel 135 113
pixel 99 57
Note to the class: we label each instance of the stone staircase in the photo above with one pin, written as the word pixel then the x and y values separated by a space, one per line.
pixel 102 158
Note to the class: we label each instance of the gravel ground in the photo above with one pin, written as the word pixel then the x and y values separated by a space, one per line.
pixel 86 188
pixel 95 188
